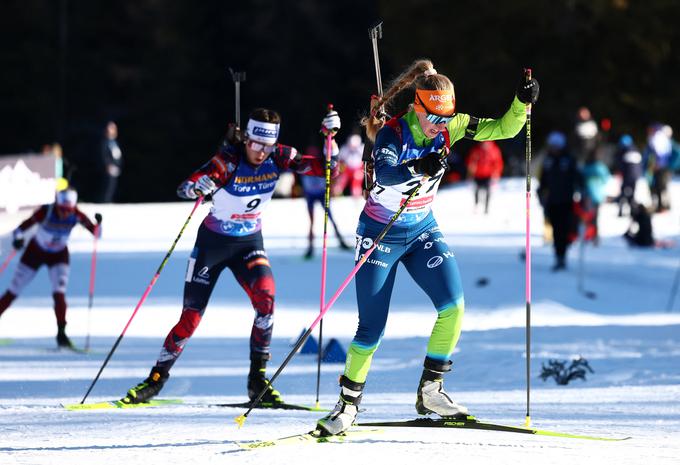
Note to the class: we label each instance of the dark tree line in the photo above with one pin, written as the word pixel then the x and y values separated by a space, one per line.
pixel 159 68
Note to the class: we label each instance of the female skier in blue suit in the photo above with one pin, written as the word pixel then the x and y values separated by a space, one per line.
pixel 409 147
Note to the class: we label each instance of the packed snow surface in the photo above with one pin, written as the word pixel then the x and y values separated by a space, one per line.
pixel 623 319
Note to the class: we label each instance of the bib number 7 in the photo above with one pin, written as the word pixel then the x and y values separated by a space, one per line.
pixel 414 185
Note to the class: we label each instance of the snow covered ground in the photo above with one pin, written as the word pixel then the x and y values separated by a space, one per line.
pixel 626 333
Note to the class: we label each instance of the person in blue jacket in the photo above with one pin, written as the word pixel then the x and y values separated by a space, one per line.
pixel 595 176
pixel 629 164
pixel 411 149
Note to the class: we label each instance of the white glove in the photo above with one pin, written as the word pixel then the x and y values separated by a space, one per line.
pixel 204 185
pixel 331 123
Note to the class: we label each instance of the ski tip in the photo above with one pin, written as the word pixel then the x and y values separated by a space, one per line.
pixel 240 421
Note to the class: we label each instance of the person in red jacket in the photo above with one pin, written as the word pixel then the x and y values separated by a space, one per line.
pixel 49 247
pixel 485 164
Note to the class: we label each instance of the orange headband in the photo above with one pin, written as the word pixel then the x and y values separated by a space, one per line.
pixel 437 102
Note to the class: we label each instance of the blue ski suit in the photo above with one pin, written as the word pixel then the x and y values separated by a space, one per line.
pixel 415 239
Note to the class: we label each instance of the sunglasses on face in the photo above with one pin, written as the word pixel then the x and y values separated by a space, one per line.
pixel 257 147
pixel 436 119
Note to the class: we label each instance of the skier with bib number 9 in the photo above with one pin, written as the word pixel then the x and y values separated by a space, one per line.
pixel 411 149
pixel 240 178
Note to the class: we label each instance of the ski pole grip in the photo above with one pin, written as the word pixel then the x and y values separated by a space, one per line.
pixel 326 131
pixel 527 74
pixel 375 31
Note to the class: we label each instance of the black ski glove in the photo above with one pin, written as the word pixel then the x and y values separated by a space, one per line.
pixel 18 244
pixel 98 218
pixel 527 91
pixel 430 164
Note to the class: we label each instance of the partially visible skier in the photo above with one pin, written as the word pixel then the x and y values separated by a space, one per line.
pixel 49 247
pixel 351 167
pixel 314 191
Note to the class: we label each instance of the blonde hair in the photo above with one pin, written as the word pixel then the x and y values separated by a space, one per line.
pixel 420 75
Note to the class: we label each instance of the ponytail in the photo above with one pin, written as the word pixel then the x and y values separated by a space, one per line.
pixel 376 120
pixel 420 75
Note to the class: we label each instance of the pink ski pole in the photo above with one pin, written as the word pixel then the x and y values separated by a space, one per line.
pixel 324 254
pixel 240 420
pixel 141 301
pixel 7 260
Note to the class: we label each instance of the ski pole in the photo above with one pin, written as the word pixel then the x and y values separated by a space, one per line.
pixel 144 296
pixel 238 77
pixel 93 271
pixel 240 420
pixel 581 253
pixel 674 291
pixel 527 263
pixel 581 260
pixel 374 33
pixel 322 300
pixel 7 260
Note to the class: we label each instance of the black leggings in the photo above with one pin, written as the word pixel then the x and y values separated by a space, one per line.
pixel 561 218
pixel 247 259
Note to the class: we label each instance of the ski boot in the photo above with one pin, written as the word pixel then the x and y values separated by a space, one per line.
pixel 431 395
pixel 148 388
pixel 560 264
pixel 345 411
pixel 309 254
pixel 62 339
pixel 257 381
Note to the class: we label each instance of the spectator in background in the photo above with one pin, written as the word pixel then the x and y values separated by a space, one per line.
pixel 485 164
pixel 629 164
pixel 351 167
pixel 585 134
pixel 674 163
pixel 558 181
pixel 112 163
pixel 595 175
pixel 56 151
pixel 639 233
pixel 314 190
pixel 656 160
